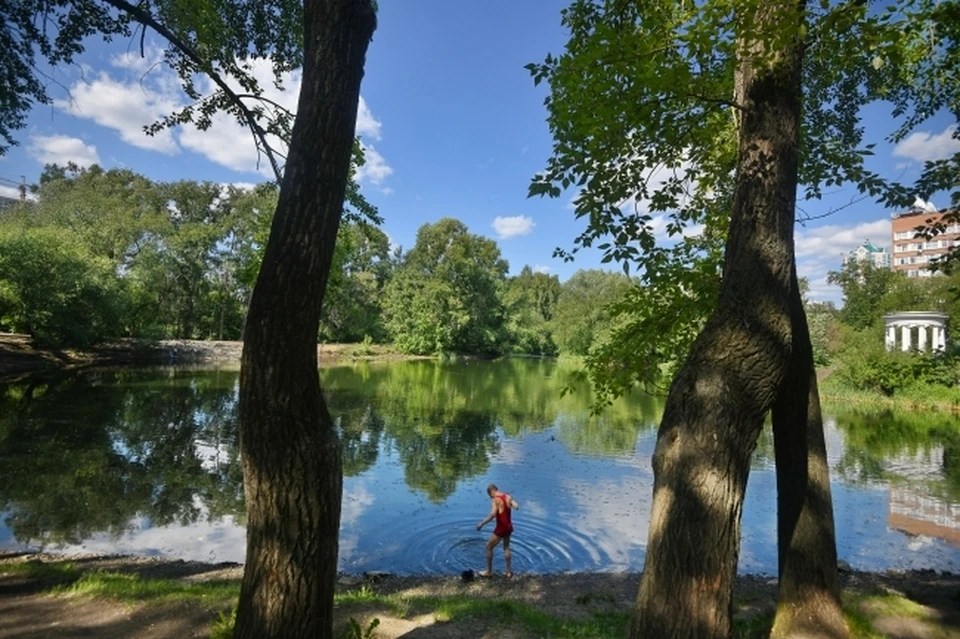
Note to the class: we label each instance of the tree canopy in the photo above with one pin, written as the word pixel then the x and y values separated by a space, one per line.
pixel 644 117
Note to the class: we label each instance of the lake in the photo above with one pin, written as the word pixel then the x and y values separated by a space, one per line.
pixel 147 462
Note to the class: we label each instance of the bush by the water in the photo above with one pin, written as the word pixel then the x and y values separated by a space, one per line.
pixel 863 363
pixel 55 289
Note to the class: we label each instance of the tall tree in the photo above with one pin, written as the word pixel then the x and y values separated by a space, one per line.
pixel 864 286
pixel 652 108
pixel 529 301
pixel 582 315
pixel 720 396
pixel 290 452
pixel 446 294
pixel 361 266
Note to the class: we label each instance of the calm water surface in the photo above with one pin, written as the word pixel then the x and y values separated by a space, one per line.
pixel 147 462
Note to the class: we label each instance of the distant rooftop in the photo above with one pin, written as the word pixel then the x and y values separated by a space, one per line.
pixel 870 247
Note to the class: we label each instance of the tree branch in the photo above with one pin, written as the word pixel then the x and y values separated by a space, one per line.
pixel 809 218
pixel 146 19
pixel 720 101
pixel 241 96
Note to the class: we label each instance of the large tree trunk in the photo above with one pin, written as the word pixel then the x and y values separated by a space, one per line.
pixel 290 450
pixel 718 401
pixel 809 591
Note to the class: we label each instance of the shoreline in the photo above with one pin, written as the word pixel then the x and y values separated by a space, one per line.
pixel 914 603
pixel 19 356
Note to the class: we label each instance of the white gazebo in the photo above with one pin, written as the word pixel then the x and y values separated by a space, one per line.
pixel 930 328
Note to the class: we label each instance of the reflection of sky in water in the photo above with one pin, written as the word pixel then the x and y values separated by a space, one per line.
pixel 578 512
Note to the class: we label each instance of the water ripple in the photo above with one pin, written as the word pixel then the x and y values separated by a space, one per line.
pixel 538 545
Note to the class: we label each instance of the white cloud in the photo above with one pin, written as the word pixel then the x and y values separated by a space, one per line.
pixel 367 125
pixel 10 192
pixel 375 169
pixel 924 146
pixel 60 149
pixel 542 268
pixel 230 144
pixel 132 61
pixel 507 227
pixel 656 178
pixel 834 240
pixel 125 108
pixel 820 250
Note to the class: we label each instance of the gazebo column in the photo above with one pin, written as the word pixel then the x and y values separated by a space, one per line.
pixel 922 338
pixel 905 338
pixel 891 337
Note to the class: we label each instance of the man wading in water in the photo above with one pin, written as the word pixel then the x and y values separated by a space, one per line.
pixel 500 509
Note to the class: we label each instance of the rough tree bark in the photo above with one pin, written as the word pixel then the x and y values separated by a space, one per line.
pixel 720 396
pixel 290 450
pixel 809 590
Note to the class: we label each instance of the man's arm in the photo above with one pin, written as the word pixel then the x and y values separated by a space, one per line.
pixel 493 513
pixel 514 504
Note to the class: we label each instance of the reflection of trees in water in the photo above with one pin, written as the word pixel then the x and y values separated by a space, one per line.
pixel 872 439
pixel 439 450
pixel 86 453
pixel 426 410
pixel 442 416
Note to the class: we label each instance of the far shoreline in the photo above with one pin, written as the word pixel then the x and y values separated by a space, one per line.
pixel 19 355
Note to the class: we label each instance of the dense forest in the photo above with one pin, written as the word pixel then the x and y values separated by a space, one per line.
pixel 101 254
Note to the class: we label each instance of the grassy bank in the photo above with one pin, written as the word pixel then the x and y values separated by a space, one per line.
pixel 585 605
pixel 931 398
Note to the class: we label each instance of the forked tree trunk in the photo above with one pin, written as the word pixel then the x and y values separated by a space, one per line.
pixel 730 380
pixel 808 603
pixel 290 450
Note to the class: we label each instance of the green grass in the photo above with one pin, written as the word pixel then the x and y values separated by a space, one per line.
pixel 756 627
pixel 859 623
pixel 65 578
pixel 499 611
pixel 222 627
pixel 834 394
pixel 859 610
pixel 452 608
pixel 896 606
pixel 42 571
pixel 133 589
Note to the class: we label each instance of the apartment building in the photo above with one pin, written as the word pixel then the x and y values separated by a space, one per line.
pixel 913 255
pixel 868 252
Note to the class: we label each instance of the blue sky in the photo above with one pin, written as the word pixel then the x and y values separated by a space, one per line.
pixel 453 125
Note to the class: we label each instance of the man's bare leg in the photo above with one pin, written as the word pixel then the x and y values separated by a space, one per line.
pixel 491 544
pixel 508 556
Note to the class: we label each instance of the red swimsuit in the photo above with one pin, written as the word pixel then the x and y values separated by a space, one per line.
pixel 504 526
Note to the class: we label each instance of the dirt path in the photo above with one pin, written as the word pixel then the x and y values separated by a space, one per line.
pixel 914 605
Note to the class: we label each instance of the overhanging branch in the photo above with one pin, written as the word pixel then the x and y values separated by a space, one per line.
pixel 147 20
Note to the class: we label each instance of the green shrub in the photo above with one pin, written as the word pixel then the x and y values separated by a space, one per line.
pixel 864 364
pixel 54 289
